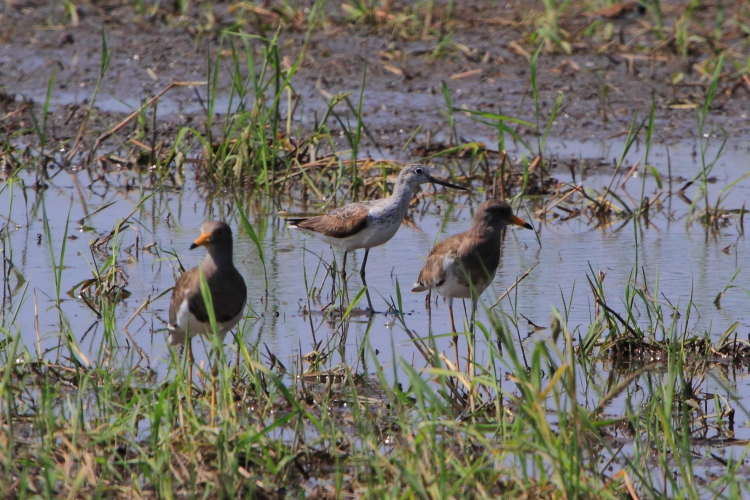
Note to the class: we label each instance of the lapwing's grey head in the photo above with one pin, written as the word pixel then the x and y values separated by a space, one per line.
pixel 416 174
pixel 499 213
pixel 214 234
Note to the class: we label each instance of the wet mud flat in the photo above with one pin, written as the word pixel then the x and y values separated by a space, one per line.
pixel 611 352
pixel 480 51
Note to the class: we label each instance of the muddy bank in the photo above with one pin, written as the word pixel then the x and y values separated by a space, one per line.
pixel 480 55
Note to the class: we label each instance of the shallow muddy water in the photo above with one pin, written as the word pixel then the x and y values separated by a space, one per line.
pixel 672 256
pixel 679 260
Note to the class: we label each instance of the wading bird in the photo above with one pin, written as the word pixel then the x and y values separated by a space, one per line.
pixel 188 315
pixel 463 266
pixel 368 224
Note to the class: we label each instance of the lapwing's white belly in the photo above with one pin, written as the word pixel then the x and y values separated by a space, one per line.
pixel 187 322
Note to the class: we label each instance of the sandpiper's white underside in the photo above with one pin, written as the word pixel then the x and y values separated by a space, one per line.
pixel 453 288
pixel 376 233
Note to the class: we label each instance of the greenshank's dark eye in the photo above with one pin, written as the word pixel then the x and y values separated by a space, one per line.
pixel 419 170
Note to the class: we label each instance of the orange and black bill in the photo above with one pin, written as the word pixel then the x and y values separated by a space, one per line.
pixel 202 240
pixel 520 222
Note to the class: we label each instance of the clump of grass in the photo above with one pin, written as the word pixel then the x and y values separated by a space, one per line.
pixel 549 31
pixel 256 146
pixel 710 215
pixel 415 20
pixel 522 420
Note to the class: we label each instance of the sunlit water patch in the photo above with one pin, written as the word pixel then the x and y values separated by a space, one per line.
pixel 677 261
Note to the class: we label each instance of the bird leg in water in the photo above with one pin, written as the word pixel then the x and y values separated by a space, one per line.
pixel 342 271
pixel 191 360
pixel 364 282
pixel 237 361
pixel 455 334
pixel 472 339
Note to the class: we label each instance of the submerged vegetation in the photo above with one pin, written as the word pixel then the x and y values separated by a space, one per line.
pixel 524 420
pixel 628 392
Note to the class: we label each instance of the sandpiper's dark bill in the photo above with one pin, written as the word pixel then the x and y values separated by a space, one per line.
pixel 435 180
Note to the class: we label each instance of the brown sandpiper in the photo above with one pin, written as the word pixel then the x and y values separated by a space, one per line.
pixel 463 266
